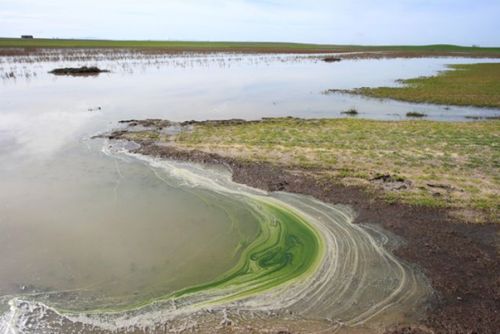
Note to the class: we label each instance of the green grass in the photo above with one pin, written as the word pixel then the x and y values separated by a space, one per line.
pixel 230 46
pixel 474 85
pixel 176 45
pixel 454 165
pixel 422 48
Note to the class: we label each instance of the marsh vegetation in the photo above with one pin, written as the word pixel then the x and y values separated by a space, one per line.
pixel 468 85
pixel 446 164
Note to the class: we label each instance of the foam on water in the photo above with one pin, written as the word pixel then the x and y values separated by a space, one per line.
pixel 350 280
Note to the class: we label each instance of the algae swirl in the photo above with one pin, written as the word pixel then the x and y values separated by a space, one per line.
pixel 285 248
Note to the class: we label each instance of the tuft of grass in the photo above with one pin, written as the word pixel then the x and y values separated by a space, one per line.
pixel 331 59
pixel 415 114
pixel 350 112
pixel 454 165
pixel 472 84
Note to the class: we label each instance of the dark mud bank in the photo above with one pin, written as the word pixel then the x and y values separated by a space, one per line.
pixel 78 71
pixel 460 260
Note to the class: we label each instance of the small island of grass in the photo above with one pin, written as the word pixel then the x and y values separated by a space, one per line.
pixel 464 85
pixel 84 70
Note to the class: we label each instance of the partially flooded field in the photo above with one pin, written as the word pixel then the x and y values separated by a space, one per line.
pixel 220 86
pixel 96 239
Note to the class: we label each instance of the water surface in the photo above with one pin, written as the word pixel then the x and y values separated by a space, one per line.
pixel 219 87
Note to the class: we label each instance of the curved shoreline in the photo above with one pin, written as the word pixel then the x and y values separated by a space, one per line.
pixel 446 249
pixel 432 241
pixel 309 265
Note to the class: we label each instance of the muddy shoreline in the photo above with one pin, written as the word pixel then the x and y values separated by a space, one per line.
pixel 459 259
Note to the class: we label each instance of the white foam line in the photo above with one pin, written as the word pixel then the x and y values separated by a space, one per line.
pixel 7 324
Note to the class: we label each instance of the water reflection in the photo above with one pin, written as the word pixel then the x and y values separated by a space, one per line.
pixel 217 86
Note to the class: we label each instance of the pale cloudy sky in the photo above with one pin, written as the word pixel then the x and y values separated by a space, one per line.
pixel 463 22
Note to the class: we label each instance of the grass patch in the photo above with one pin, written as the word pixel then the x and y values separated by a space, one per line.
pixel 473 84
pixel 415 114
pixel 454 165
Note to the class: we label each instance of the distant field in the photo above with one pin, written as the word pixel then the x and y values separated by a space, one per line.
pixel 174 45
pixel 233 46
pixel 473 84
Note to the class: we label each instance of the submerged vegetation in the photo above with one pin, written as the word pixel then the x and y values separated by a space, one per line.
pixel 474 85
pixel 417 162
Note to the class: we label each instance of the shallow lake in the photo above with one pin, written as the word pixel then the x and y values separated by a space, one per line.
pixel 84 226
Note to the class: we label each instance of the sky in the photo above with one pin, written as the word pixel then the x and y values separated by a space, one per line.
pixel 374 22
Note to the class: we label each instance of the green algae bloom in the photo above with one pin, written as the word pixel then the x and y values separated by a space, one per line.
pixel 285 248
